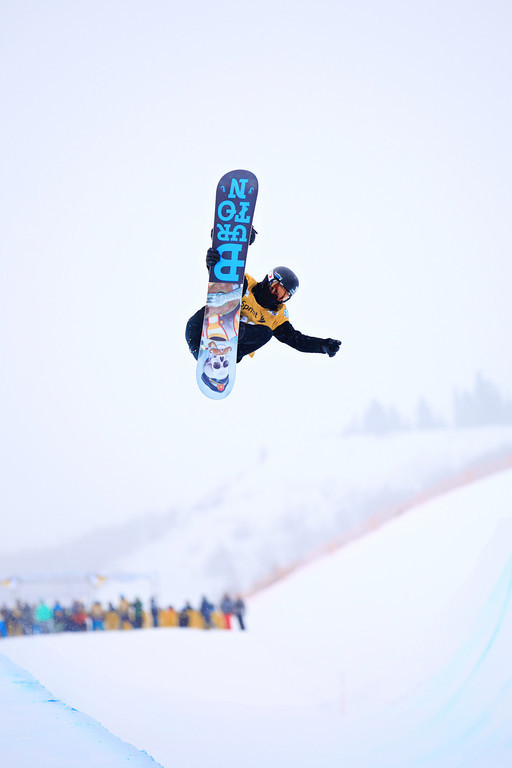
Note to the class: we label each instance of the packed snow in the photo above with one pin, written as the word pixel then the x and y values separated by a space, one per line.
pixel 394 651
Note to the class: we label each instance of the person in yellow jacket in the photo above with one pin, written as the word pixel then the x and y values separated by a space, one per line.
pixel 263 314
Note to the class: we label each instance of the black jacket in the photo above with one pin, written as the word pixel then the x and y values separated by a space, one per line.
pixel 284 332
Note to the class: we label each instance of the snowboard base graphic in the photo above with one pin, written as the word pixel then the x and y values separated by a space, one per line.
pixel 234 210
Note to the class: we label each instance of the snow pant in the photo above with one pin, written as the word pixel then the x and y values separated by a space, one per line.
pixel 240 620
pixel 250 337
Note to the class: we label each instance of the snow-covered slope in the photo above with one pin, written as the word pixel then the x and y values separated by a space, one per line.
pixel 292 499
pixel 38 730
pixel 392 652
pixel 296 500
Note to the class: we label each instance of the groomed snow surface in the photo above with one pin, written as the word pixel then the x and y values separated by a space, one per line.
pixel 393 651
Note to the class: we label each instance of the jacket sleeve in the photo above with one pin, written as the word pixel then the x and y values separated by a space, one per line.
pixel 288 335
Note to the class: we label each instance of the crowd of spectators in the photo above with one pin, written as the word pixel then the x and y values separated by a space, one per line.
pixel 43 618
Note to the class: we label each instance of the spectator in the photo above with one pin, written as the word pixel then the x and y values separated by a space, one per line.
pixel 239 611
pixel 60 619
pixel 184 615
pixel 154 612
pixel 79 618
pixel 43 618
pixel 137 607
pixel 9 621
pixel 3 622
pixel 16 627
pixel 27 619
pixel 124 612
pixel 98 617
pixel 169 617
pixel 226 607
pixel 206 610
pixel 112 620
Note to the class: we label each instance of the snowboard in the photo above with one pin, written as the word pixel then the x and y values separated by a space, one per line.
pixel 234 210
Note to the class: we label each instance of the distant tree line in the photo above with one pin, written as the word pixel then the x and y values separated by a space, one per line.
pixel 483 406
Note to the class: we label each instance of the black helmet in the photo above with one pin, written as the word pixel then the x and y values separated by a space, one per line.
pixel 286 277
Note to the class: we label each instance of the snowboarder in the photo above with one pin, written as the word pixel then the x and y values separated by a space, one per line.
pixel 239 611
pixel 263 314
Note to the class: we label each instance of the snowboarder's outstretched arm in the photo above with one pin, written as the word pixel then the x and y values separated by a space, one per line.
pixel 286 332
pixel 289 335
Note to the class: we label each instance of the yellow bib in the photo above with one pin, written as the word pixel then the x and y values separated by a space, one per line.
pixel 253 313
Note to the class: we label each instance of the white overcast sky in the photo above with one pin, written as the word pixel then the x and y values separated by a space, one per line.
pixel 380 135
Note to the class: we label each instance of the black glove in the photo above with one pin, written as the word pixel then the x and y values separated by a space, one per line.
pixel 212 257
pixel 330 346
